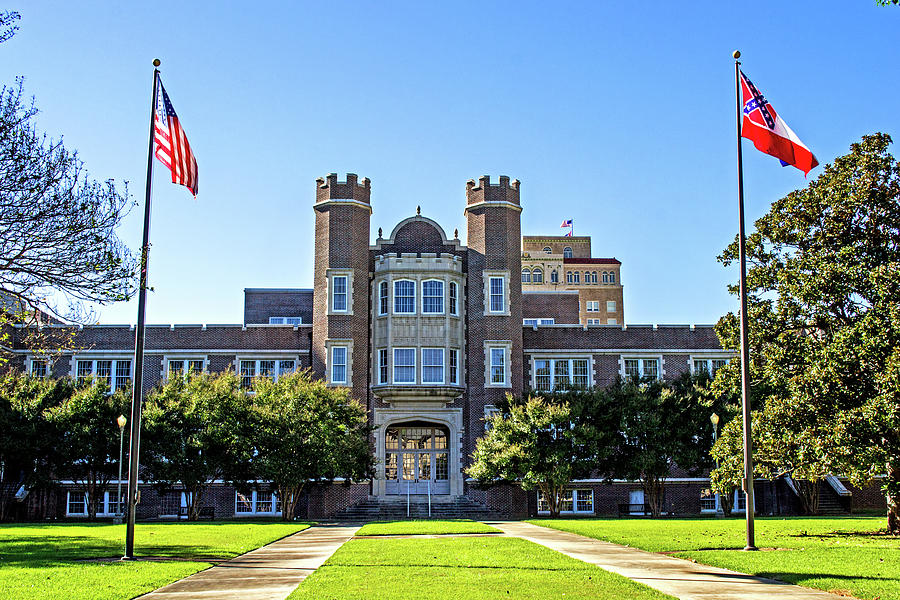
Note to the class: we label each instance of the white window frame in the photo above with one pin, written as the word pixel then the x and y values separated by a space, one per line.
pixel 660 371
pixel 104 509
pixel 441 365
pixel 185 364
pixel 570 371
pixel 567 252
pixel 490 347
pixel 576 494
pixel 612 321
pixel 538 321
pixel 335 294
pixel 693 359
pixel 412 298
pixel 489 411
pixel 453 366
pixel 594 322
pixel 440 297
pixel 537 274
pixel 278 370
pixel 489 296
pixel 610 306
pixel 554 276
pixel 113 369
pixel 254 501
pixel 334 364
pixel 612 276
pixel 526 275
pixel 384 298
pixel 394 365
pixel 453 293
pixel 286 321
pixel 39 360
pixel 382 366
pixel 592 306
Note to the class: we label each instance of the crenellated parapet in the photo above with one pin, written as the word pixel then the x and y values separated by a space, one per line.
pixel 504 192
pixel 329 189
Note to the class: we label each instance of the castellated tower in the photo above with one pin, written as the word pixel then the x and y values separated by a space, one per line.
pixel 340 344
pixel 494 296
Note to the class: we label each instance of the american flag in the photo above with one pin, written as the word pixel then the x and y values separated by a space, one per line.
pixel 170 143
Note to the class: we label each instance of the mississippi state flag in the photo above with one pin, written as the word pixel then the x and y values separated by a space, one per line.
pixel 769 133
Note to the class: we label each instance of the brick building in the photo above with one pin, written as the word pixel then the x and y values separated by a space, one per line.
pixel 428 334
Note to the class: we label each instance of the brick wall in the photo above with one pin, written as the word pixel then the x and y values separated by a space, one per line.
pixel 260 304
pixel 561 306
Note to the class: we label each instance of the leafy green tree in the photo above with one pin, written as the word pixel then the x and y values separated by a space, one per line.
pixel 539 443
pixel 87 438
pixel 194 433
pixel 664 425
pixel 825 326
pixel 304 432
pixel 27 442
pixel 58 239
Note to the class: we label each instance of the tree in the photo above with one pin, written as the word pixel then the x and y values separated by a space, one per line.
pixel 8 27
pixel 27 443
pixel 825 324
pixel 57 226
pixel 193 431
pixel 302 432
pixel 663 425
pixel 87 438
pixel 539 444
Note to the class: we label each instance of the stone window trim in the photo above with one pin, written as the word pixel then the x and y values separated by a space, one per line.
pixel 118 378
pixel 610 306
pixel 554 358
pixel 383 366
pixel 435 298
pixel 611 321
pixel 453 366
pixel 413 352
pixel 331 274
pixel 489 411
pixel 256 359
pixel 592 306
pixel 487 276
pixel 39 366
pixel 185 359
pixel 437 365
pixel 661 363
pixel 506 346
pixel 453 298
pixel 384 298
pixel 348 370
pixel 709 359
pixel 395 297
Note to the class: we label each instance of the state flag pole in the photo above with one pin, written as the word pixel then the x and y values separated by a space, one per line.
pixel 745 346
pixel 137 392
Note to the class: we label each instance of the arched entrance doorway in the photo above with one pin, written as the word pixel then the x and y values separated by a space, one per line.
pixel 416 459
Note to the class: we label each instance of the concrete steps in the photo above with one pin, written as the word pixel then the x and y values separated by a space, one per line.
pixel 395 508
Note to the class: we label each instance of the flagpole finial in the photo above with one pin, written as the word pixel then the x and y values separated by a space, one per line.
pixel 156 62
pixel 736 54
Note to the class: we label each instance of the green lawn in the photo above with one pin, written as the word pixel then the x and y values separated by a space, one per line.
pixel 47 561
pixel 472 568
pixel 845 554
pixel 426 527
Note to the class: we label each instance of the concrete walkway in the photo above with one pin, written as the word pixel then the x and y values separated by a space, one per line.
pixel 268 573
pixel 677 577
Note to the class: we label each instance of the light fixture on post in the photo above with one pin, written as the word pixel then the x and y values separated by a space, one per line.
pixel 121 422
pixel 714 419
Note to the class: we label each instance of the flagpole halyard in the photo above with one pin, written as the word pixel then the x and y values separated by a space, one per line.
pixel 137 392
pixel 745 349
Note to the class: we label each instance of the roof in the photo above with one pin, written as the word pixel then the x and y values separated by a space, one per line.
pixel 592 261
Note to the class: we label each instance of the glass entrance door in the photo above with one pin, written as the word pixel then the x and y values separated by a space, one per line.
pixel 416 460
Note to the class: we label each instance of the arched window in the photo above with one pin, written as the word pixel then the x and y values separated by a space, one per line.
pixel 554 276
pixel 569 278
pixel 383 298
pixel 548 250
pixel 526 275
pixel 405 296
pixel 605 277
pixel 593 276
pixel 537 276
pixel 576 277
pixel 567 252
pixel 612 277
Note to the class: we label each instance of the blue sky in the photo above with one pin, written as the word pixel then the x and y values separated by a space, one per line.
pixel 621 118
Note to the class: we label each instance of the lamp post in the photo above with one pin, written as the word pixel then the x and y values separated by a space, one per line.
pixel 714 419
pixel 121 421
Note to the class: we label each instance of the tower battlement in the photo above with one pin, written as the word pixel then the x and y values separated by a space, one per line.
pixel 329 188
pixel 485 191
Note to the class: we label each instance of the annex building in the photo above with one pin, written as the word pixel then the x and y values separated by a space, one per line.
pixel 429 334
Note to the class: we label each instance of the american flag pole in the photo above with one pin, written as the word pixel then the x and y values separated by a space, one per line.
pixel 137 391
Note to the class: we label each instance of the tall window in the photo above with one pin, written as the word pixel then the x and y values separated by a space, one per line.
pixel 567 252
pixel 339 293
pixel 610 306
pixel 497 304
pixel 554 276
pixel 537 276
pixel 569 278
pixel 576 277
pixel 338 364
pixel 642 368
pixel 433 296
pixel 454 366
pixel 404 365
pixel 453 298
pixel 593 276
pixel 526 275
pixel 38 368
pixel 605 277
pixel 382 365
pixel 498 366
pixel 383 298
pixel 612 277
pixel 432 365
pixel 404 296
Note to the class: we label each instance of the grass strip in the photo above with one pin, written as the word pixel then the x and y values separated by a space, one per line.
pixel 53 561
pixel 426 527
pixel 474 568
pixel 844 555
